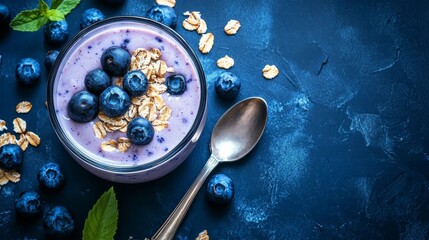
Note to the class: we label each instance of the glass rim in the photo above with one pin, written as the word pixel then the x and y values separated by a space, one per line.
pixel 66 141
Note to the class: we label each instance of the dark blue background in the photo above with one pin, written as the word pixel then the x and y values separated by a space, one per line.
pixel 345 154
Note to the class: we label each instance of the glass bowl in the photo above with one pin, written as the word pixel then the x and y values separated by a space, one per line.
pixel 171 146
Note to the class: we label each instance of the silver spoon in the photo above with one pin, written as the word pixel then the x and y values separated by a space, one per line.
pixel 234 135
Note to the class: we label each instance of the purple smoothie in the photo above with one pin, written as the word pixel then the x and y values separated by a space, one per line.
pixel 84 56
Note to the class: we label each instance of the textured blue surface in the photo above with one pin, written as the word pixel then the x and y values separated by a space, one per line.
pixel 346 151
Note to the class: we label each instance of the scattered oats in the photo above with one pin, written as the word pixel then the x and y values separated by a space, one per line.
pixel 109 146
pixel 193 21
pixel 232 27
pixel 204 235
pixel 99 130
pixel 7 138
pixel 12 176
pixel 270 71
pixel 22 142
pixel 123 144
pixel 170 3
pixel 19 125
pixel 23 107
pixel 164 113
pixel 2 125
pixel 206 42
pixel 3 178
pixel 225 62
pixel 202 28
pixel 32 138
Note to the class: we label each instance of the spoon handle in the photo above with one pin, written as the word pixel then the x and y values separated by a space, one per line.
pixel 170 226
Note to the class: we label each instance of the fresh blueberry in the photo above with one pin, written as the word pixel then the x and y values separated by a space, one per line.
pixel 163 14
pixel 135 83
pixel 96 81
pixel 140 131
pixel 50 176
pixel 50 57
pixel 176 84
pixel 28 204
pixel 90 16
pixel 114 2
pixel 27 71
pixel 4 15
pixel 58 223
pixel 114 101
pixel 11 157
pixel 220 189
pixel 83 107
pixel 227 85
pixel 115 61
pixel 56 32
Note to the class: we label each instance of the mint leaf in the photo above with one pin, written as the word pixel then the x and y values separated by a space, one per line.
pixel 56 3
pixel 102 219
pixel 55 15
pixel 66 5
pixel 28 21
pixel 43 7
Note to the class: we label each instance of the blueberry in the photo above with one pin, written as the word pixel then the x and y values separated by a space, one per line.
pixel 50 57
pixel 176 84
pixel 114 101
pixel 220 189
pixel 90 16
pixel 58 223
pixel 4 15
pixel 163 14
pixel 11 157
pixel 140 131
pixel 115 61
pixel 227 85
pixel 83 107
pixel 135 83
pixel 96 81
pixel 28 204
pixel 27 71
pixel 56 32
pixel 114 2
pixel 50 176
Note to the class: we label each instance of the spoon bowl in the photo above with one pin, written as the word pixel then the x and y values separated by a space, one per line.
pixel 233 137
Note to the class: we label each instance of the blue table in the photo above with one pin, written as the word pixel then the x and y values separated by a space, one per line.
pixel 346 151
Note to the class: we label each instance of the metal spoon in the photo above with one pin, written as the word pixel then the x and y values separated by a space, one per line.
pixel 234 135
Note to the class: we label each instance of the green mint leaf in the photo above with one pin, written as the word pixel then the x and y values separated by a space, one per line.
pixel 56 3
pixel 55 15
pixel 102 219
pixel 28 21
pixel 43 7
pixel 66 6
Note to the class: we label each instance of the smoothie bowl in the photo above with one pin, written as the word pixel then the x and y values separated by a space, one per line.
pixel 148 117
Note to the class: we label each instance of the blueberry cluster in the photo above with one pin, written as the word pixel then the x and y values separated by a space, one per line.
pixel 114 101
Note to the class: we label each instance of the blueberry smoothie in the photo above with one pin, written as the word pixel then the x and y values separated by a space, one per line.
pixel 84 56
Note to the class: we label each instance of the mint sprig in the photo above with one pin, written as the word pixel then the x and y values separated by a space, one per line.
pixel 33 20
pixel 102 219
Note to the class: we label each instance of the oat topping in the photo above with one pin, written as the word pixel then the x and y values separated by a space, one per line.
pixel 23 107
pixel 2 125
pixel 150 106
pixel 270 71
pixel 19 125
pixel 225 62
pixel 204 235
pixel 232 27
pixel 33 139
pixel 170 3
pixel 109 146
pixel 206 42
